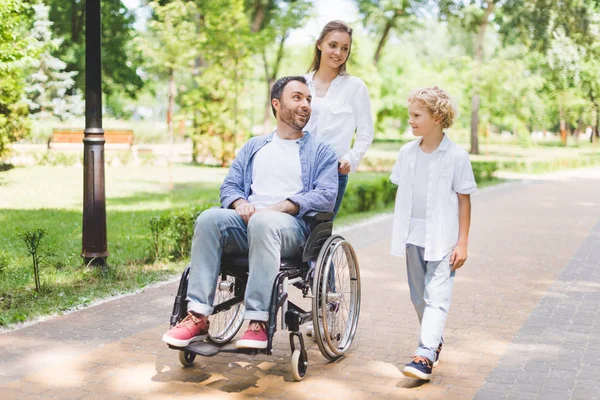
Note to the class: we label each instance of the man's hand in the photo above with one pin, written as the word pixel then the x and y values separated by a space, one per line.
pixel 285 206
pixel 245 210
pixel 458 257
pixel 344 166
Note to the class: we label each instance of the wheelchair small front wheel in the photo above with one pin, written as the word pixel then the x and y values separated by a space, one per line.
pixel 186 358
pixel 299 365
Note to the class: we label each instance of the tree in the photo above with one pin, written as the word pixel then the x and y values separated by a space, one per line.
pixel 48 84
pixel 16 55
pixel 120 57
pixel 475 16
pixel 171 46
pixel 384 16
pixel 535 23
pixel 565 31
pixel 272 21
pixel 216 97
pixel 590 77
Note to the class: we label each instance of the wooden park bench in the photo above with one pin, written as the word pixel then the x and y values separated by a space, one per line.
pixel 119 137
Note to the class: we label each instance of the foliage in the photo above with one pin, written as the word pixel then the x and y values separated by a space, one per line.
pixel 172 232
pixel 16 54
pixel 367 195
pixel 384 17
pixel 32 239
pixel 48 83
pixel 5 261
pixel 216 98
pixel 172 37
pixel 120 56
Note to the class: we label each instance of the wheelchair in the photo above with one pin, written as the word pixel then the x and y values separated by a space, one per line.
pixel 327 272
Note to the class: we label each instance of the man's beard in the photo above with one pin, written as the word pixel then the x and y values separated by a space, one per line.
pixel 288 116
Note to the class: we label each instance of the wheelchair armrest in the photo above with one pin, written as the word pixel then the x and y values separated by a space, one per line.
pixel 316 239
pixel 318 216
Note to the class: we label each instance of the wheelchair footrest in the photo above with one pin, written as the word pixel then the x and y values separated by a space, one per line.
pixel 209 349
pixel 203 349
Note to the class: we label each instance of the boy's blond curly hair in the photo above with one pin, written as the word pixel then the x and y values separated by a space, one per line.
pixel 438 102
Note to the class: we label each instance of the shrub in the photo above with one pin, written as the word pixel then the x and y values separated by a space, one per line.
pixel 172 232
pixel 5 261
pixel 365 196
pixel 32 239
pixel 484 170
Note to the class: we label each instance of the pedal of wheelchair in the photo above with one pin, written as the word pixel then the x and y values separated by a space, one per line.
pixel 207 349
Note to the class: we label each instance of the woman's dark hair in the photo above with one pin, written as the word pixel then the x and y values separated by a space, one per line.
pixel 331 26
pixel 278 87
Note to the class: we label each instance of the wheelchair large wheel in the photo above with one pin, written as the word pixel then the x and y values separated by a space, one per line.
pixel 336 304
pixel 225 325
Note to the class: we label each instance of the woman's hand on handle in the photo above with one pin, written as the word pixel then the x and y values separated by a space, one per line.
pixel 344 166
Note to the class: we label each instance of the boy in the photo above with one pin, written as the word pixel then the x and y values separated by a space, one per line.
pixel 431 218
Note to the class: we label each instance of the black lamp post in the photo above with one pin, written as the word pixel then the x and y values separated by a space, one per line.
pixel 94 246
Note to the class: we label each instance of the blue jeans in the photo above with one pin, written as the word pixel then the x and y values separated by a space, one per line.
pixel 342 183
pixel 430 284
pixel 269 237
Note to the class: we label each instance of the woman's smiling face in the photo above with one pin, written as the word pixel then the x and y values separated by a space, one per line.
pixel 335 48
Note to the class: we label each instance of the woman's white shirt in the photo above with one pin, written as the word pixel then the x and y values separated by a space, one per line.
pixel 345 109
pixel 316 105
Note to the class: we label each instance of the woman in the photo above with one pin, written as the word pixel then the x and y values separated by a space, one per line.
pixel 340 105
pixel 340 102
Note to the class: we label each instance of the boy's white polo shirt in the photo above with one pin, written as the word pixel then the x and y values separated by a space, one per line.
pixel 450 172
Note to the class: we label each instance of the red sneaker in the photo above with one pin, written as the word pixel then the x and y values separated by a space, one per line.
pixel 255 337
pixel 192 329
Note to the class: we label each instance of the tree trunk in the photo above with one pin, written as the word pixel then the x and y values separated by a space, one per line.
pixel 268 111
pixel 77 17
pixel 578 129
pixel 563 124
pixel 474 124
pixel 478 62
pixel 384 37
pixel 170 109
pixel 195 144
pixel 271 76
pixel 596 126
pixel 260 14
pixel 595 134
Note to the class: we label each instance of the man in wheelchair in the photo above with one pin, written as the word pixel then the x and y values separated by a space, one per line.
pixel 274 181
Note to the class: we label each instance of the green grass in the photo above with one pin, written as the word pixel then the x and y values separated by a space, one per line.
pixel 51 197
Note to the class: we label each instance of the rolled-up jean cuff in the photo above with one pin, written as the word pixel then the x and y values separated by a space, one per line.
pixel 256 316
pixel 428 354
pixel 199 308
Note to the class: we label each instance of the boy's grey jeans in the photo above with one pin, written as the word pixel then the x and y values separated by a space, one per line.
pixel 430 284
pixel 268 237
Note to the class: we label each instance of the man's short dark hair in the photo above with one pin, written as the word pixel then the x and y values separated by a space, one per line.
pixel 278 87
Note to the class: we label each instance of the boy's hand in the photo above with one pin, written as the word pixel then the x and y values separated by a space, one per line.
pixel 458 257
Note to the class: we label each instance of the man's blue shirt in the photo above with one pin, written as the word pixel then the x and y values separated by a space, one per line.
pixel 319 175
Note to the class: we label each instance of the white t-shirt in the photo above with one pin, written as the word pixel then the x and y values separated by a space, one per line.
pixel 450 173
pixel 276 172
pixel 416 231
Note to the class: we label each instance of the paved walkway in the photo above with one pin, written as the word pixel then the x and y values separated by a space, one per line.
pixel 524 322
